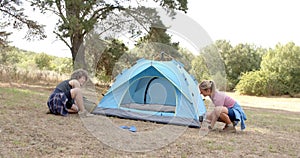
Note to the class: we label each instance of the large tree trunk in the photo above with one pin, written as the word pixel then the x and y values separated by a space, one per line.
pixel 76 33
pixel 78 51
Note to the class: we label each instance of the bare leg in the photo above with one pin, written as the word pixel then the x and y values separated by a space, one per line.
pixel 74 109
pixel 224 116
pixel 216 114
pixel 213 122
pixel 77 95
pixel 209 116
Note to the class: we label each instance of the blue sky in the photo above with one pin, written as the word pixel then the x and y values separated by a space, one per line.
pixel 261 22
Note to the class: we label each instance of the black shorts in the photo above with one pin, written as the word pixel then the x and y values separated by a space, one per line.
pixel 70 100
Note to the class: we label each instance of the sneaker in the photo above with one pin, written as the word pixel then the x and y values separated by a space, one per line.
pixel 229 128
pixel 235 123
pixel 85 113
pixel 226 125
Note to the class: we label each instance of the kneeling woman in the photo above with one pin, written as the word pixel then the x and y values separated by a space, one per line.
pixel 226 110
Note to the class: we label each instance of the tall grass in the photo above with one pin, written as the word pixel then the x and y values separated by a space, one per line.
pixel 30 75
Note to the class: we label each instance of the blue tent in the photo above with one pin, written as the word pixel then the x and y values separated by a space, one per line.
pixel 158 91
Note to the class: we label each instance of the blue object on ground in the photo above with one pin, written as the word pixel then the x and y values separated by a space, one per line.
pixel 124 127
pixel 132 129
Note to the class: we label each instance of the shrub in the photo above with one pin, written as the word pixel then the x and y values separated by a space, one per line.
pixel 43 61
pixel 260 83
pixel 279 73
pixel 284 60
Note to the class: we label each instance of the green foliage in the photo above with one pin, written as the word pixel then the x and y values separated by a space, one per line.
pixel 211 66
pixel 42 61
pixel 213 60
pixel 259 83
pixel 199 68
pixel 77 18
pixel 12 14
pixel 157 35
pixel 279 74
pixel 239 59
pixel 101 76
pixel 201 72
pixel 10 55
pixel 61 65
pixel 284 60
pixel 157 45
pixel 186 58
pixel 35 61
pixel 109 58
pixel 155 42
pixel 28 67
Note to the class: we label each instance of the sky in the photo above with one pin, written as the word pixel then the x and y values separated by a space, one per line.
pixel 261 22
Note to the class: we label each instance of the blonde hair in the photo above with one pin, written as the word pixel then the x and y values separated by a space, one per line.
pixel 208 84
pixel 77 74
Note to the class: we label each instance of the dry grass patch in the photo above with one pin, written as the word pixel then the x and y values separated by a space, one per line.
pixel 27 131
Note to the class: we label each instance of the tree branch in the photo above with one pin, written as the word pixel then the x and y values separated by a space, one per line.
pixel 61 38
pixel 60 14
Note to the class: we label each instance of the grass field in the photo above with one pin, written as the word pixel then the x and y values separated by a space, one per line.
pixel 26 130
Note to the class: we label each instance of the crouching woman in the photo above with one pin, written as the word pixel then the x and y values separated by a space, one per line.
pixel 226 109
pixel 67 96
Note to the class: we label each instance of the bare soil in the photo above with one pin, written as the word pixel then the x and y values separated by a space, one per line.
pixel 26 130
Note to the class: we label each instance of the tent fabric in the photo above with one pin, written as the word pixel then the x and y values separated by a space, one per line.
pixel 159 91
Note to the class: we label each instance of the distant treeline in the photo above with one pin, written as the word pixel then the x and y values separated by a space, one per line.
pixel 244 68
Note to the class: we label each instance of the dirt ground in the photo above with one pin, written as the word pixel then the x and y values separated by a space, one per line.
pixel 26 130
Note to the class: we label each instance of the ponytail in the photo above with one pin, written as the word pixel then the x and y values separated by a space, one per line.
pixel 208 84
pixel 213 86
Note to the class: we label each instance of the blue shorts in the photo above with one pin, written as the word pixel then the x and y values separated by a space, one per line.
pixel 231 114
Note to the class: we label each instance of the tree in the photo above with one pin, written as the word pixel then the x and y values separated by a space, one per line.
pixel 110 56
pixel 156 44
pixel 78 17
pixel 199 68
pixel 13 15
pixel 284 60
pixel 43 61
pixel 224 47
pixel 215 65
pixel 159 35
pixel 3 37
pixel 242 58
pixel 278 75
pixel 239 59
pixel 186 58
